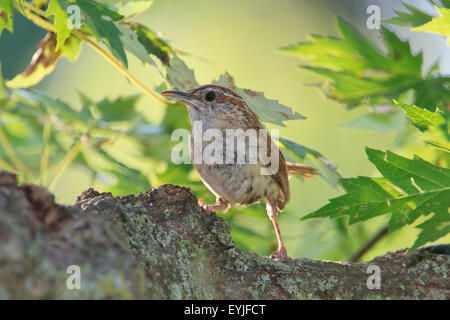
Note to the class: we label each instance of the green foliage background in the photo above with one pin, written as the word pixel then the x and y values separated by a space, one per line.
pixel 86 125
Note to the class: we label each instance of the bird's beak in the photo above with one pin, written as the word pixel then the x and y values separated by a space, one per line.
pixel 182 96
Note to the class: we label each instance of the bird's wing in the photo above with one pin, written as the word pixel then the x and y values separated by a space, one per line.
pixel 281 177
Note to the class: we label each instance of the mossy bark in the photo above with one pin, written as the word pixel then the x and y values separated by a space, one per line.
pixel 161 245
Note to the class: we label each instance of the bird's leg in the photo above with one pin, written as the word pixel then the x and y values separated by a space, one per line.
pixel 281 253
pixel 221 205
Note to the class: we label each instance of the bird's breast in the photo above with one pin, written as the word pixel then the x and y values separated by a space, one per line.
pixel 241 184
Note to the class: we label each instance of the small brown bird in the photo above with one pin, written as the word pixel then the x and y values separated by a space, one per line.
pixel 237 183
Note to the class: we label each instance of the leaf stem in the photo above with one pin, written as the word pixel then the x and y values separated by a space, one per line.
pixel 9 150
pixel 65 163
pixel 35 18
pixel 5 165
pixel 121 68
pixel 45 150
pixel 40 21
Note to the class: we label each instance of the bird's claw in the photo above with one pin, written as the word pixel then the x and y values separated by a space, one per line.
pixel 280 255
pixel 206 207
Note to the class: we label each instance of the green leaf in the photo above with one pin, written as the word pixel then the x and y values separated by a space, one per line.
pixel 30 109
pixel 435 125
pixel 55 107
pixel 6 15
pixel 377 122
pixel 357 73
pixel 302 153
pixel 130 42
pixel 154 44
pixel 442 145
pixel 128 180
pixel 176 117
pixel 132 182
pixel 409 188
pixel 413 17
pixel 128 7
pixel 60 21
pixel 441 3
pixel 422 118
pixel 268 110
pixel 120 109
pixel 2 87
pixel 100 21
pixel 71 48
pixel 439 25
pixel 294 147
pixel 179 76
pixel 433 229
pixel 44 60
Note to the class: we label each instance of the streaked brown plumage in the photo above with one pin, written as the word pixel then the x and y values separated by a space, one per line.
pixel 217 107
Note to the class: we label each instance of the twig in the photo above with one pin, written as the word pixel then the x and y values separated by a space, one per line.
pixel 121 68
pixel 370 244
pixel 37 15
pixel 9 150
pixel 65 163
pixel 45 150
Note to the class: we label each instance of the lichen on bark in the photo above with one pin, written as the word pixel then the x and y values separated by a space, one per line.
pixel 161 245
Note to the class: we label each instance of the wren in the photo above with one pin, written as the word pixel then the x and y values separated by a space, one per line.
pixel 239 184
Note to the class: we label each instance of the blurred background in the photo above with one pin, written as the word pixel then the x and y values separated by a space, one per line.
pixel 243 38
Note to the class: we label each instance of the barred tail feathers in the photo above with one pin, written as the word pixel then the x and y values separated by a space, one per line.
pixel 301 170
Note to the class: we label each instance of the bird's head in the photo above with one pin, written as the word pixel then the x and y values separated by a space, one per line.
pixel 204 97
pixel 215 103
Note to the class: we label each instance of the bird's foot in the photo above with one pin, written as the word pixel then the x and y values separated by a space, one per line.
pixel 280 255
pixel 209 208
pixel 206 207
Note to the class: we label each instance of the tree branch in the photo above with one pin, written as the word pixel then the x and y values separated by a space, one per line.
pixel 161 245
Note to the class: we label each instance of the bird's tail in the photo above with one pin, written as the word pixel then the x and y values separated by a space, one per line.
pixel 300 170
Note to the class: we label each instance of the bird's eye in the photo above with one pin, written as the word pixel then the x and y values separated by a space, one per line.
pixel 210 96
